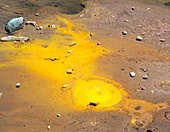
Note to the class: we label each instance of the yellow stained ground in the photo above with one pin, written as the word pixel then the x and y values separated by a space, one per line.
pixel 85 86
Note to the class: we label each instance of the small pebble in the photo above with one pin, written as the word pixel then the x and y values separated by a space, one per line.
pixel 148 8
pixel 81 15
pixel 145 76
pixel 48 127
pixel 91 34
pixel 139 38
pixel 99 43
pixel 132 74
pixel 124 33
pixel 133 8
pixel 145 70
pixel 162 40
pixel 25 125
pixel 1 95
pixel 18 85
pixel 58 115
pixel 53 26
pixel 139 25
pixel 152 91
pixel 69 71
pixel 37 14
pixel 126 20
pixel 74 43
pixel 70 51
pixel 40 27
pixel 64 86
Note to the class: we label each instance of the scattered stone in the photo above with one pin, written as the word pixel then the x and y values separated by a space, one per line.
pixel 74 43
pixel 124 33
pixel 93 103
pixel 52 26
pixel 140 89
pixel 167 3
pixel 25 125
pixel 143 33
pixel 40 27
pixel 41 32
pixel 37 14
pixel 14 38
pixel 167 115
pixel 162 40
pixel 14 25
pixel 58 115
pixel 91 34
pixel 126 20
pixel 122 69
pixel 54 59
pixel 139 38
pixel 70 51
pixel 81 15
pixel 148 8
pixel 145 70
pixel 48 127
pixel 133 8
pixel 145 76
pixel 152 91
pixel 99 43
pixel 132 74
pixel 69 71
pixel 1 95
pixel 139 25
pixel 64 86
pixel 18 85
pixel 33 23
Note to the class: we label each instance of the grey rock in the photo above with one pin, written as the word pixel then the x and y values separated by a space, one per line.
pixel 14 25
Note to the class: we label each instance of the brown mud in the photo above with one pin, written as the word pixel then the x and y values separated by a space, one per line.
pixel 35 105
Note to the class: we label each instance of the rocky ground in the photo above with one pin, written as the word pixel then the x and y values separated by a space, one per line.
pixel 34 106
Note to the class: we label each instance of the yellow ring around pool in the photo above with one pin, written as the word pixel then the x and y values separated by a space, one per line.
pixel 97 91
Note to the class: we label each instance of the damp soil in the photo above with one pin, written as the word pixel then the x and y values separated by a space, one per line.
pixel 34 105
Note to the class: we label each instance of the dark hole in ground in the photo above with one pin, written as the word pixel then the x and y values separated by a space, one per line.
pixel 71 6
pixel 138 107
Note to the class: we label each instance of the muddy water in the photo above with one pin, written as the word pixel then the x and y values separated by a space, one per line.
pixel 34 105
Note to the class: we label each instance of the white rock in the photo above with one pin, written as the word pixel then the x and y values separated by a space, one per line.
pixel 18 85
pixel 64 86
pixel 48 127
pixel 1 95
pixel 132 74
pixel 126 20
pixel 70 51
pixel 124 33
pixel 139 38
pixel 69 71
pixel 58 115
pixel 53 26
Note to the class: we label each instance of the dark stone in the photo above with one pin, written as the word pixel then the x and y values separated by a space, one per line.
pixel 167 3
pixel 93 103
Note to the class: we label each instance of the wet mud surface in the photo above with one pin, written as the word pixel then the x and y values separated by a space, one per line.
pixel 99 72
